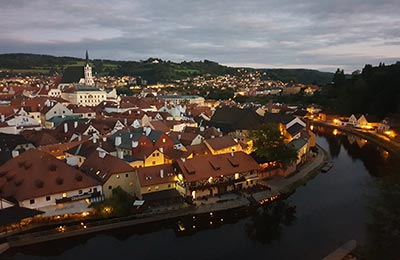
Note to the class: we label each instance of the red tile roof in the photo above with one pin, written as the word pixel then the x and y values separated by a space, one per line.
pixel 35 173
pixel 103 168
pixel 204 167
pixel 149 176
pixel 223 142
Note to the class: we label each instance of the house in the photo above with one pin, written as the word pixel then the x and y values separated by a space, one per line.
pixel 301 147
pixel 76 155
pixel 53 110
pixel 223 144
pixel 210 175
pixel 145 157
pixel 36 179
pixel 155 179
pixel 352 120
pixel 111 171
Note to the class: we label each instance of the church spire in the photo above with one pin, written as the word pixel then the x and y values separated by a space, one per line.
pixel 87 57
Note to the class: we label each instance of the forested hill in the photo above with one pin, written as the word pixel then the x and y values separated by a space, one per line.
pixel 376 91
pixel 152 70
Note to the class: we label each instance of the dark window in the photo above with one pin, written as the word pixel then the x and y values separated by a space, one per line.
pixel 94 189
pixel 47 198
pixel 126 175
pixel 32 202
pixel 169 185
pixel 80 191
pixel 110 187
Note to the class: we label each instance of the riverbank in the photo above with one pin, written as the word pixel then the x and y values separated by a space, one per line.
pixel 380 140
pixel 279 186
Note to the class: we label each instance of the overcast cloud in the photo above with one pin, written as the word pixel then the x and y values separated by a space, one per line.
pixel 318 34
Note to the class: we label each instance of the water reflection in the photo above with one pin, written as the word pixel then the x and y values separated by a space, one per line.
pixel 266 225
pixel 376 160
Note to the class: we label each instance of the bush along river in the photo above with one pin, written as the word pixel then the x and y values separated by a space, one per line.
pixel 359 198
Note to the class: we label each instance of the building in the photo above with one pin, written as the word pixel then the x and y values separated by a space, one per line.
pixel 111 171
pixel 84 95
pixel 36 179
pixel 210 175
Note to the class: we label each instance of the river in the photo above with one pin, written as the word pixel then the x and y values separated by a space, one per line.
pixel 359 198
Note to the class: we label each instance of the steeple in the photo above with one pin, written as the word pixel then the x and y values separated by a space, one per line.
pixel 87 57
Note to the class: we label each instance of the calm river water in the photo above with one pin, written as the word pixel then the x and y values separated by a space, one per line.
pixel 359 198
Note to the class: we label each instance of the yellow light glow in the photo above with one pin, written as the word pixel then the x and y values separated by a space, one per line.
pixel 311 127
pixel 64 195
pixel 335 132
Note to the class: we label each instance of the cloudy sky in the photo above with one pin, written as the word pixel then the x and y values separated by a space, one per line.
pixel 318 34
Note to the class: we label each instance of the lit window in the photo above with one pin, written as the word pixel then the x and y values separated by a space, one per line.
pixel 164 140
pixel 64 195
pixel 117 176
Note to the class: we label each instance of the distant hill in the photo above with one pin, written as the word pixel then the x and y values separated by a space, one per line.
pixel 153 70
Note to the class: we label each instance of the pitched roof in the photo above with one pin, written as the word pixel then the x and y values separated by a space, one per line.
pixel 278 118
pixel 35 173
pixel 297 143
pixel 295 129
pixel 103 168
pixel 149 176
pixel 39 138
pixel 222 142
pixel 9 141
pixel 204 167
pixel 16 214
pixel 233 118
pixel 198 149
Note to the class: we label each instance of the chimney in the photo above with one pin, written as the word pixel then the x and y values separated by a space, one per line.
pixel 162 173
pixel 212 137
pixel 233 154
pixel 118 140
pixel 65 128
pixel 161 150
pixel 102 154
pixel 104 139
pixel 183 159
pixel 15 153
pixel 201 128
pixel 179 137
pixel 3 118
pixel 120 154
pixel 75 124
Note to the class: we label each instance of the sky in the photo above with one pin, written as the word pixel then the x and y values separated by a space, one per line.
pixel 315 34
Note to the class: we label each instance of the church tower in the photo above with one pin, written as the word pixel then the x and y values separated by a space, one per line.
pixel 88 72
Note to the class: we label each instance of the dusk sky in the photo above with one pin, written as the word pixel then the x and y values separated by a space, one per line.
pixel 320 34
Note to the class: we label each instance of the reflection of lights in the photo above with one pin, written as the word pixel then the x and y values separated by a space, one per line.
pixel 84 214
pixel 311 127
pixel 335 132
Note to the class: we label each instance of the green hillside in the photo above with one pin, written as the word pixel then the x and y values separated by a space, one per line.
pixel 153 70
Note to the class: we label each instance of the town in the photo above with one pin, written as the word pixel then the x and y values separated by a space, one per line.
pixel 71 146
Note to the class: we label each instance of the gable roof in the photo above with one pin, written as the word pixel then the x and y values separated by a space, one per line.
pixel 222 142
pixel 204 167
pixel 149 176
pixel 35 173
pixel 229 119
pixel 278 118
pixel 295 129
pixel 103 168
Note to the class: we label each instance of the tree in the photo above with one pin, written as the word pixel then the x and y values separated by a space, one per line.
pixel 269 144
